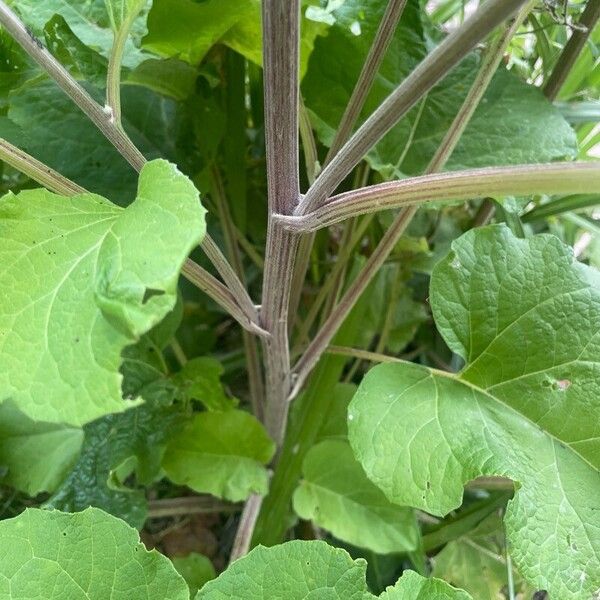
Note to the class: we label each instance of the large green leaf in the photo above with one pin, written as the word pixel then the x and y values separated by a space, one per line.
pixel 526 317
pixel 23 442
pixel 83 279
pixel 336 494
pixel 514 122
pixel 304 570
pixel 43 121
pixel 221 453
pixel 57 556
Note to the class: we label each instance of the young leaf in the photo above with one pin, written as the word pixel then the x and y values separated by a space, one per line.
pixel 200 379
pixel 525 316
pixel 196 569
pixel 299 570
pixel 221 453
pixel 83 279
pixel 336 494
pixel 23 442
pixel 54 555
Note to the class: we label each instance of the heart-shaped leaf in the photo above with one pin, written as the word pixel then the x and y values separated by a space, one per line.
pixel 54 555
pixel 526 317
pixel 302 570
pixel 82 279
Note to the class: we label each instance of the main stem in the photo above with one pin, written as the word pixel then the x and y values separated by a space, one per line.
pixel 281 44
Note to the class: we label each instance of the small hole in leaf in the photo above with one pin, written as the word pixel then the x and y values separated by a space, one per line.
pixel 151 293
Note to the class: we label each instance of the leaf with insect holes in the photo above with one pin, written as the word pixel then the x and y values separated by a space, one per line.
pixel 55 556
pixel 525 316
pixel 300 570
pixel 83 279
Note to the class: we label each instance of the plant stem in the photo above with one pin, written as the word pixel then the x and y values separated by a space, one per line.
pixel 572 49
pixel 430 71
pixel 383 37
pixel 374 58
pixel 189 505
pixel 222 295
pixel 281 47
pixel 103 118
pixel 361 354
pixel 243 537
pixel 520 180
pixel 37 170
pixel 309 413
pixel 234 278
pixel 113 74
pixel 316 348
pixel 309 144
pixel 401 222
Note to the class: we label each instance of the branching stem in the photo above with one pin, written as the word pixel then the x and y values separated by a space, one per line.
pixel 572 49
pixel 434 67
pixel 522 180
pixel 489 65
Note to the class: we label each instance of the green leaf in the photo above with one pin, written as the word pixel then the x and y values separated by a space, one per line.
pixel 123 12
pixel 336 495
pixel 170 77
pixel 513 124
pixel 130 443
pixel 15 66
pixel 82 280
pixel 334 423
pixel 200 379
pixel 221 453
pixel 196 569
pixel 525 316
pixel 412 586
pixel 83 62
pixel 302 570
pixel 91 21
pixel 187 30
pixel 23 442
pixel 53 555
